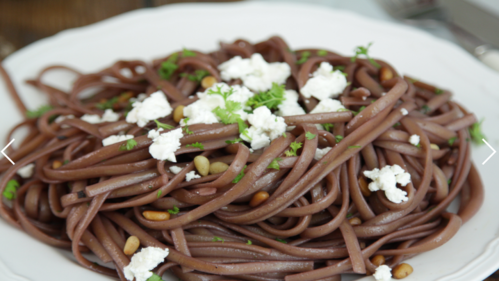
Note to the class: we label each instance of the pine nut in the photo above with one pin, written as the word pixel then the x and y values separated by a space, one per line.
pixel 156 215
pixel 364 188
pixel 178 113
pixel 218 167
pixel 259 198
pixel 378 260
pixel 355 221
pixel 131 245
pixel 56 164
pixel 124 97
pixel 434 146
pixel 402 271
pixel 385 74
pixel 208 81
pixel 202 165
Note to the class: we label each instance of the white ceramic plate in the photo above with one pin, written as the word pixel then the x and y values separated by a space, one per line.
pixel 472 254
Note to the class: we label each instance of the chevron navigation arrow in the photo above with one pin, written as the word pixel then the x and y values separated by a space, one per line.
pixel 15 163
pixel 490 154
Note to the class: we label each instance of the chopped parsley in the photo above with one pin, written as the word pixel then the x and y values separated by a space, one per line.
pixel 338 138
pixel 396 124
pixel 322 53
pixel 304 57
pixel 249 242
pixel 186 127
pixel 155 277
pixel 328 126
pixel 240 175
pixel 245 133
pixel 281 240
pixel 452 140
pixel 236 140
pixel 310 136
pixel 271 99
pixel 10 190
pixel 294 148
pixel 197 76
pixel 38 112
pixel 128 145
pixel 159 194
pixel 339 67
pixel 174 211
pixel 217 239
pixel 438 91
pixel 476 133
pixel 163 125
pixel 65 162
pixel 449 181
pixel 274 164
pixel 360 50
pixel 360 109
pixel 188 53
pixel 355 146
pixel 107 104
pixel 168 67
pixel 228 114
pixel 349 215
pixel 196 144
pixel 425 109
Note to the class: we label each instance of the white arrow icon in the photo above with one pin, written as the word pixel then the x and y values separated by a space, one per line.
pixel 15 163
pixel 490 154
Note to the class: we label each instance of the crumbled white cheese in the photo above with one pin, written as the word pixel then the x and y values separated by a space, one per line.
pixel 61 118
pixel 154 107
pixel 152 134
pixel 115 139
pixel 255 72
pixel 265 127
pixel 108 116
pixel 165 145
pixel 201 111
pixel 383 94
pixel 414 140
pixel 140 97
pixel 386 179
pixel 191 175
pixel 175 169
pixel 143 262
pixel 404 111
pixel 26 171
pixel 328 105
pixel 319 153
pixel 383 273
pixel 290 105
pixel 325 83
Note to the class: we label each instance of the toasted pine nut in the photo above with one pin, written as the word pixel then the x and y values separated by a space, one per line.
pixel 56 164
pixel 218 167
pixel 156 215
pixel 202 165
pixel 385 74
pixel 208 81
pixel 259 198
pixel 125 96
pixel 364 187
pixel 131 245
pixel 434 146
pixel 378 260
pixel 102 100
pixel 178 113
pixel 402 271
pixel 355 221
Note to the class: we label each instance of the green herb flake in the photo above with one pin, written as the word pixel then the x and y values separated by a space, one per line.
pixel 338 138
pixel 438 91
pixel 107 104
pixel 10 190
pixel 339 67
pixel 155 277
pixel 186 127
pixel 274 164
pixel 281 240
pixel 284 135
pixel 196 144
pixel 452 140
pixel 159 194
pixel 396 124
pixel 294 148
pixel 249 242
pixel 217 239
pixel 425 109
pixel 360 50
pixel 187 53
pixel 65 162
pixel 128 145
pixel 322 53
pixel 349 215
pixel 197 76
pixel 271 99
pixel 310 136
pixel 168 67
pixel 476 133
pixel 174 211
pixel 236 140
pixel 245 133
pixel 449 181
pixel 360 109
pixel 303 58
pixel 241 125
pixel 163 125
pixel 38 112
pixel 328 126
pixel 355 146
pixel 240 175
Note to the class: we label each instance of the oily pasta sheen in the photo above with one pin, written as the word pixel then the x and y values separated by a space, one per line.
pixel 86 197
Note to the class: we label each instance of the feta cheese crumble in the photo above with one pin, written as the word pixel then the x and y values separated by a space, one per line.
pixel 383 273
pixel 325 83
pixel 165 145
pixel 191 175
pixel 319 153
pixel 404 111
pixel 201 111
pixel 386 179
pixel 175 169
pixel 61 118
pixel 143 262
pixel 414 140
pixel 108 116
pixel 328 105
pixel 26 171
pixel 154 107
pixel 115 139
pixel 265 127
pixel 290 105
pixel 140 97
pixel 255 72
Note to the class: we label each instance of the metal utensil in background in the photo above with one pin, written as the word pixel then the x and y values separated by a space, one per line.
pixel 434 16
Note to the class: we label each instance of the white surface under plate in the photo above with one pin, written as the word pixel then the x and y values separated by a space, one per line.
pixel 472 254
